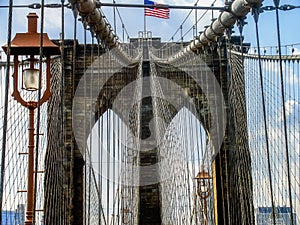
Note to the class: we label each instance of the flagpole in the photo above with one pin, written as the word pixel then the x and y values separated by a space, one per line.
pixel 145 29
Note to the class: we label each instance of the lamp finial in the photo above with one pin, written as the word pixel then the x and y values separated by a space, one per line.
pixel 32 22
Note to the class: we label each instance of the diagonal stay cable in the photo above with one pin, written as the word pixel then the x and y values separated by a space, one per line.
pixel 179 28
pixel 4 129
pixel 276 2
pixel 120 17
pixel 198 20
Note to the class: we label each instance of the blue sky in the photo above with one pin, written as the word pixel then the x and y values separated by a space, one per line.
pixel 134 21
pixel 267 25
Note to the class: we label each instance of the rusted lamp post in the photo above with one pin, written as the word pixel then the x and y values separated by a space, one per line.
pixel 25 44
pixel 203 189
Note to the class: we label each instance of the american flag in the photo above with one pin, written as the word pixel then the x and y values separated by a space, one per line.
pixel 156 12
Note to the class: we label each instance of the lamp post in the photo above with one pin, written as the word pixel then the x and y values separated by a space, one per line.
pixel 203 189
pixel 29 44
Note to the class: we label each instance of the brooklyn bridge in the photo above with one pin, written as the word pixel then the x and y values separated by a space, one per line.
pixel 100 126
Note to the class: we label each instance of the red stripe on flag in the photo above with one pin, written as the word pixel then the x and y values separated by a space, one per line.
pixel 160 13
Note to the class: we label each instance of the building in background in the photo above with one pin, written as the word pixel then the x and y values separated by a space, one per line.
pixel 263 216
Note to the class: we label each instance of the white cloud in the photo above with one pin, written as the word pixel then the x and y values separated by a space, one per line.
pixel 291 106
pixel 53 19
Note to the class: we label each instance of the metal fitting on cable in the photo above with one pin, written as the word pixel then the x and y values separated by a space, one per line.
pixel 95 19
pixel 86 6
pixel 100 26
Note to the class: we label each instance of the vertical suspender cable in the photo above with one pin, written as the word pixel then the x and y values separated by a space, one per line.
pixel 107 140
pixel 85 147
pixel 113 164
pixel 196 19
pixel 90 128
pixel 71 190
pixel 62 103
pixel 118 171
pixel 37 137
pixel 276 2
pixel 193 149
pixel 123 33
pixel 219 50
pixel 99 130
pixel 115 22
pixel 4 129
pixel 101 144
pixel 229 68
pixel 241 24
pixel 181 35
pixel 62 49
pixel 189 157
pixel 256 15
pixel 102 181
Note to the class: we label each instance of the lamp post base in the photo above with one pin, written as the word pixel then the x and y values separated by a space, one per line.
pixel 29 218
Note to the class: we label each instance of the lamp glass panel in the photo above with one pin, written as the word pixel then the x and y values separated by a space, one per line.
pixel 31 79
pixel 203 187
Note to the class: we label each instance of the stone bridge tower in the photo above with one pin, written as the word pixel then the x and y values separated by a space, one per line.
pixel 64 162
